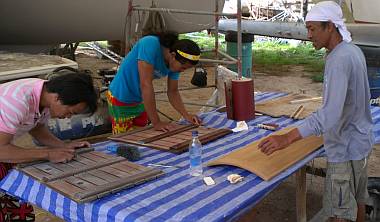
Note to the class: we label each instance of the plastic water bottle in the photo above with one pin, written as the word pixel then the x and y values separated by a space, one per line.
pixel 195 152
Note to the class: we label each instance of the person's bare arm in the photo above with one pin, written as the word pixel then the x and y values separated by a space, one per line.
pixel 10 153
pixel 176 101
pixel 147 92
pixel 44 136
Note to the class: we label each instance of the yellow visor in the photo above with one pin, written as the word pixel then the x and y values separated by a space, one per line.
pixel 188 56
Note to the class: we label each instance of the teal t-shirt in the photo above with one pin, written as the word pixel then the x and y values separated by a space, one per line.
pixel 126 84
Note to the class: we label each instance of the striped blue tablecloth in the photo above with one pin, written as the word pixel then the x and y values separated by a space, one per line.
pixel 176 196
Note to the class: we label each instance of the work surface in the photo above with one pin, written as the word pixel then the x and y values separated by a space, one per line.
pixel 175 196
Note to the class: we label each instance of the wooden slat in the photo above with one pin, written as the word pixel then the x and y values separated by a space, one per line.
pixel 171 140
pixel 124 168
pixel 103 175
pixel 78 182
pixel 34 172
pixel 282 107
pixel 49 169
pixel 92 179
pixel 163 143
pixel 84 160
pixel 65 188
pixel 131 137
pixel 94 157
pixel 130 132
pixel 267 167
pixel 169 133
pixel 102 155
pixel 61 166
pixel 175 141
pixel 82 169
pixel 75 164
pixel 118 185
pixel 77 151
pixel 112 171
pixel 132 165
pixel 204 138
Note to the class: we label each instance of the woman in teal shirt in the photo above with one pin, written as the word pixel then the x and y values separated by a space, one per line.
pixel 131 99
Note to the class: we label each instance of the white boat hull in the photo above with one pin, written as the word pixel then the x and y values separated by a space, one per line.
pixel 63 21
pixel 365 11
pixel 362 34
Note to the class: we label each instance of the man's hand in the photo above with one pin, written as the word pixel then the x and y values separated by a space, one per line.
pixel 194 119
pixel 61 155
pixel 278 142
pixel 273 143
pixel 75 145
pixel 163 126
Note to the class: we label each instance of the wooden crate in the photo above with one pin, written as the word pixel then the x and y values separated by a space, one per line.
pixel 176 140
pixel 90 175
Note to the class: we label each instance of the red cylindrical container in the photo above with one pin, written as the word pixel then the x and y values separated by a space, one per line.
pixel 243 99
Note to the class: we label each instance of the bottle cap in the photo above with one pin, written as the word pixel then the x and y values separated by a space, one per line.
pixel 194 133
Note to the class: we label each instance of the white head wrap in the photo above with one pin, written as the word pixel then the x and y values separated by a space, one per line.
pixel 329 11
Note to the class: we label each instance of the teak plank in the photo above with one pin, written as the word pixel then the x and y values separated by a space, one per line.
pixel 100 191
pixel 84 160
pixel 98 174
pixel 267 167
pixel 91 178
pixel 169 133
pixel 101 174
pixel 61 166
pixel 110 170
pixel 83 184
pixel 175 141
pixel 34 172
pixel 172 140
pixel 163 143
pixel 65 188
pixel 282 106
pixel 46 168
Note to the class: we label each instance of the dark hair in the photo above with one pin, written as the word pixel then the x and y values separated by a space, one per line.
pixel 187 46
pixel 170 40
pixel 74 88
pixel 167 39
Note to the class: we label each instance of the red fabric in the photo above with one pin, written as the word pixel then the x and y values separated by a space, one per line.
pixel 10 207
pixel 4 168
pixel 141 120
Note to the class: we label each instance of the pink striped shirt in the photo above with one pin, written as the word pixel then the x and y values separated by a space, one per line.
pixel 19 106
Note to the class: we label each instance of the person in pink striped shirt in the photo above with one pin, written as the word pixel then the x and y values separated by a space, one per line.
pixel 25 106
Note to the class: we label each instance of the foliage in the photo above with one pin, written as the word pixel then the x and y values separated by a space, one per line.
pixel 272 54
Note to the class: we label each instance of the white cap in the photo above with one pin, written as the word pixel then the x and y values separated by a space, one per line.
pixel 329 11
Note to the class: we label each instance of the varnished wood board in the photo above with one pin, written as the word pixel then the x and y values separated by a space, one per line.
pixel 91 175
pixel 267 167
pixel 282 106
pixel 176 141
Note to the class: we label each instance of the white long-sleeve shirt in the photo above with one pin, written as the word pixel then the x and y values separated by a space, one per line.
pixel 344 119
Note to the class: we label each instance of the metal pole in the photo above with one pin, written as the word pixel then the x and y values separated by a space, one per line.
pixel 216 44
pixel 239 43
pixel 217 62
pixel 181 11
pixel 128 38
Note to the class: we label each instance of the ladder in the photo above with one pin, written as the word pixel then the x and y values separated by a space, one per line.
pixel 105 52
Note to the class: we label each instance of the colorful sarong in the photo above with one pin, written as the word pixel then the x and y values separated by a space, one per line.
pixel 11 208
pixel 125 116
